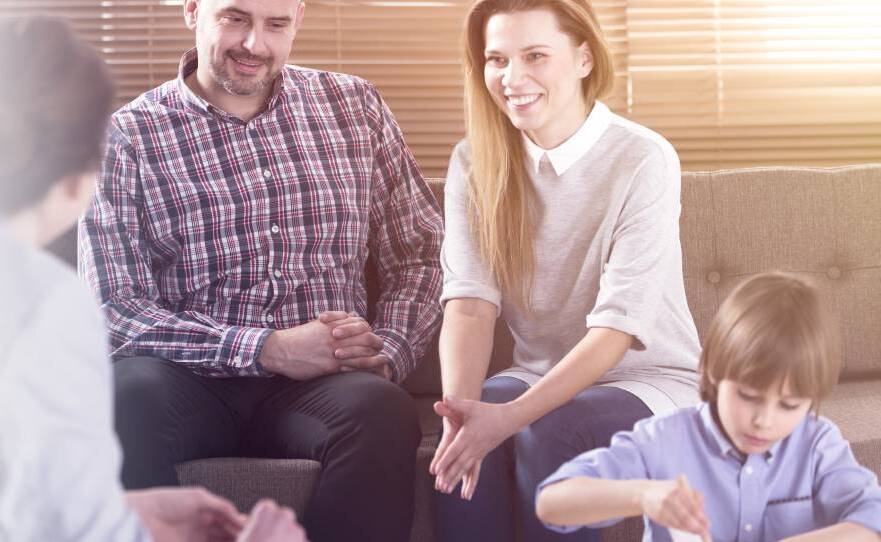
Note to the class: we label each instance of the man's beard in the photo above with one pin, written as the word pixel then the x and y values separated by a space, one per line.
pixel 242 87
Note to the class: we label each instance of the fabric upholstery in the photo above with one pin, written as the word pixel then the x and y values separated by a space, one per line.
pixel 819 222
pixel 245 481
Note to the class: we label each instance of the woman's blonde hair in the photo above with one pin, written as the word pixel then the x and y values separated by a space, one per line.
pixel 773 329
pixel 502 217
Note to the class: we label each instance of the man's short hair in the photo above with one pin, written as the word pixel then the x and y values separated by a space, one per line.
pixel 53 108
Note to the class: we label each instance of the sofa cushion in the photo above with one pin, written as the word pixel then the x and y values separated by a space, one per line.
pixel 822 222
pixel 244 481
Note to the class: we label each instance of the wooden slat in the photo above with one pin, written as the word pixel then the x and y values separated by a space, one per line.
pixel 730 82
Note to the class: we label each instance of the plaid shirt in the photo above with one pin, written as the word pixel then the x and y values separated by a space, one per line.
pixel 208 232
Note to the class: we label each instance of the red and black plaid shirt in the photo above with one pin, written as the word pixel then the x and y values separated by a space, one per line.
pixel 207 232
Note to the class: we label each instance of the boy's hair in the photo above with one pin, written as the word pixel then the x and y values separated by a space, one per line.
pixel 54 105
pixel 772 329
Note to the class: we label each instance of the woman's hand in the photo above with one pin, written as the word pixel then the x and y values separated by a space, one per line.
pixel 676 506
pixel 472 429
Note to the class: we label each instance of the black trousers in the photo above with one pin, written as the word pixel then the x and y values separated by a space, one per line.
pixel 363 429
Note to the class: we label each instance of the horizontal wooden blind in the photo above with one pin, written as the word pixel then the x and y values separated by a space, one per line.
pixel 729 82
pixel 409 49
pixel 758 82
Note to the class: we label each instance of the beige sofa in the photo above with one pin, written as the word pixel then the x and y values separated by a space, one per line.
pixel 735 223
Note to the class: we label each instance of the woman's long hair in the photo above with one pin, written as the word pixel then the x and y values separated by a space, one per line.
pixel 502 217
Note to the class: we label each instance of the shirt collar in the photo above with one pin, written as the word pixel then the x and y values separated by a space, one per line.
pixel 188 64
pixel 570 151
pixel 720 442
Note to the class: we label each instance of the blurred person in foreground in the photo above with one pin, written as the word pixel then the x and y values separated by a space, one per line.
pixel 59 457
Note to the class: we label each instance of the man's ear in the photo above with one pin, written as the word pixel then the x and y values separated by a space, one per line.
pixel 585 59
pixel 298 17
pixel 191 13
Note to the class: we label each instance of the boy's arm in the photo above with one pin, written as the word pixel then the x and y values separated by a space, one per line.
pixel 601 486
pixel 851 532
pixel 563 503
pixel 666 502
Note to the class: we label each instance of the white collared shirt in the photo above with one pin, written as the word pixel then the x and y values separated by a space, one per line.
pixel 570 151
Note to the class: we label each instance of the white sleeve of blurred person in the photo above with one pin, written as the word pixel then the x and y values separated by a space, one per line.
pixel 59 457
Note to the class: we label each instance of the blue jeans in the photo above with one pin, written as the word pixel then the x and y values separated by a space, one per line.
pixel 504 501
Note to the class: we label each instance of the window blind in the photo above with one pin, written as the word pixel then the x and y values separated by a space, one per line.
pixel 758 82
pixel 729 82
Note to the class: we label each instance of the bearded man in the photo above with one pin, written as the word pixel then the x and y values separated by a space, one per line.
pixel 236 209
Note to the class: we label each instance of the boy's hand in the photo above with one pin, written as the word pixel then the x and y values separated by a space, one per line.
pixel 675 505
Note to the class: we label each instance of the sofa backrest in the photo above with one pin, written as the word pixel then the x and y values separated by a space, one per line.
pixel 822 222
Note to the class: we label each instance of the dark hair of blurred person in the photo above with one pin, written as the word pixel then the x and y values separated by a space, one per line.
pixel 54 108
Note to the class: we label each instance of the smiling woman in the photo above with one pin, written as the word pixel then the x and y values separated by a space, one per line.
pixel 563 218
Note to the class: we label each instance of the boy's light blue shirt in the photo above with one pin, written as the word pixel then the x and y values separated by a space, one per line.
pixel 807 481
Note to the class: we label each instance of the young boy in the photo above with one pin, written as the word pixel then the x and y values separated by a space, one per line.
pixel 750 457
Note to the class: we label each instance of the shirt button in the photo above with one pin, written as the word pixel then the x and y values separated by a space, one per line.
pixel 267 173
pixel 237 360
pixel 275 228
pixel 277 273
pixel 748 527
pixel 270 318
pixel 748 470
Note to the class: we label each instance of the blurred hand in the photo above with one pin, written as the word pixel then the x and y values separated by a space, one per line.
pixel 186 515
pixel 270 522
